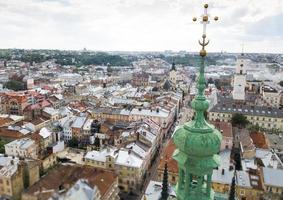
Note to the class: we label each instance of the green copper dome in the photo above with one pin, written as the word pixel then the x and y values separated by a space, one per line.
pixel 193 143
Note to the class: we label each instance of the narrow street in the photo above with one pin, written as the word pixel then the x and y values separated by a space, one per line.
pixel 152 172
pixel 185 114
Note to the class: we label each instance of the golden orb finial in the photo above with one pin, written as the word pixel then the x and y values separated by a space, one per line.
pixel 205 18
pixel 206 5
pixel 215 18
pixel 194 19
pixel 202 53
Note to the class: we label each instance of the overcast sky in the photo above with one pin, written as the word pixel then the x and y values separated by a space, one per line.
pixel 140 25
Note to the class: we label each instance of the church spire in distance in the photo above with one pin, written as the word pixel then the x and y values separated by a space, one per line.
pixel 173 68
pixel 197 141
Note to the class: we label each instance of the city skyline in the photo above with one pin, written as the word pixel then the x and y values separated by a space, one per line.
pixel 135 25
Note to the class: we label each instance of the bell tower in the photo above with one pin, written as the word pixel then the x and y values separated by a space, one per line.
pixel 197 141
pixel 239 82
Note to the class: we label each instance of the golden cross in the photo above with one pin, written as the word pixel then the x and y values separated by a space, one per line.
pixel 204 20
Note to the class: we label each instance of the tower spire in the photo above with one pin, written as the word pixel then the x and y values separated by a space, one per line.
pixel 200 98
pixel 173 68
pixel 197 141
pixel 165 188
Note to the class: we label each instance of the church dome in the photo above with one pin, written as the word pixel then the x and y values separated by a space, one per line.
pixel 198 142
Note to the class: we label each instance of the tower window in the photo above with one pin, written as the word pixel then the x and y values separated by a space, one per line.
pixel 241 71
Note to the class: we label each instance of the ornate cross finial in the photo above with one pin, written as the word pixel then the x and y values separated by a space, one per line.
pixel 204 20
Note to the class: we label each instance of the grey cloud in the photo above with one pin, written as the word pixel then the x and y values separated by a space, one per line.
pixel 130 24
pixel 268 27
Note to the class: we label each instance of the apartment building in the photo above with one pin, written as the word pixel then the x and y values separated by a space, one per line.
pixel 25 148
pixel 15 175
pixel 265 117
pixel 129 166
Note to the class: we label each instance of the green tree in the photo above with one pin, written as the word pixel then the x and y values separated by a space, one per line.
pixel 15 85
pixel 32 57
pixel 2 147
pixel 254 128
pixel 281 83
pixel 239 120
pixel 74 143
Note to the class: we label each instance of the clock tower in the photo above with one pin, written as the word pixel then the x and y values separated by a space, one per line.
pixel 239 83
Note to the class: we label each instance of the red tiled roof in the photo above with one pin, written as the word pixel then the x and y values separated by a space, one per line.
pixel 167 156
pixel 45 103
pixel 4 121
pixel 259 139
pixel 11 134
pixel 38 120
pixel 224 127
